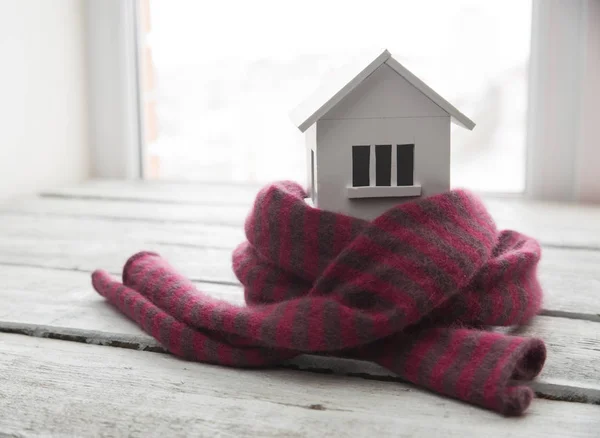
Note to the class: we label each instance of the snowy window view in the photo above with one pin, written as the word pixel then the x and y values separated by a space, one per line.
pixel 221 77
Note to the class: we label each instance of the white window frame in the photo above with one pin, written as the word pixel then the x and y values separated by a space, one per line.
pixel 114 86
pixel 563 124
pixel 562 153
pixel 375 191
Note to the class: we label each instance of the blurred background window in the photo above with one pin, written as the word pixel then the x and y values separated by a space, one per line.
pixel 219 79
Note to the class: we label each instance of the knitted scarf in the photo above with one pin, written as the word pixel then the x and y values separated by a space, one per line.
pixel 416 290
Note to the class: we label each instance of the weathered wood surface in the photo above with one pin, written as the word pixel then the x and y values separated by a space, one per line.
pixel 554 225
pixel 49 245
pixel 63 388
pixel 160 191
pixel 557 224
pixel 571 281
pixel 66 299
pixel 206 264
pixel 59 300
pixel 571 278
pixel 16 225
pixel 117 210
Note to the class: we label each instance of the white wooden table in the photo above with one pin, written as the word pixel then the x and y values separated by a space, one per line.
pixel 72 365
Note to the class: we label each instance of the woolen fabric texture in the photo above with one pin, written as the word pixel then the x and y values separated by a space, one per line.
pixel 417 290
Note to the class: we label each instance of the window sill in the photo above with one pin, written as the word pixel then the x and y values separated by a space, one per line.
pixel 384 191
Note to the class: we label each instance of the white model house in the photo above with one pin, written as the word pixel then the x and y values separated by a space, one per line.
pixel 376 135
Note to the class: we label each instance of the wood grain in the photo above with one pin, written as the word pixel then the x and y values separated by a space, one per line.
pixel 63 300
pixel 557 224
pixel 571 281
pixel 64 388
pixel 16 225
pixel 66 299
pixel 49 245
pixel 202 264
pixel 570 278
pixel 112 210
pixel 554 224
pixel 160 191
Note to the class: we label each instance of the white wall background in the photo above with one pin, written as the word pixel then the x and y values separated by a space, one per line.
pixel 43 103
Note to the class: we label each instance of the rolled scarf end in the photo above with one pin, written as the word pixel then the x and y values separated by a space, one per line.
pixel 526 363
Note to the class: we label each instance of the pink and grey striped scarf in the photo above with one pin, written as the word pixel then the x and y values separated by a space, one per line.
pixel 416 290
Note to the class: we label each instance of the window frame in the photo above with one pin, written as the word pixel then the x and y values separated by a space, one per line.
pixel 556 168
pixel 373 190
pixel 562 133
pixel 115 111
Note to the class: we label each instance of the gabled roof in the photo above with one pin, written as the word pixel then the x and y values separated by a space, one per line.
pixel 344 80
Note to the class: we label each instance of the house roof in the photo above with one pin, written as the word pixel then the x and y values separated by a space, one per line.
pixel 344 80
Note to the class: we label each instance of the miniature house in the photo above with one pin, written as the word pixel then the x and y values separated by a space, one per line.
pixel 376 135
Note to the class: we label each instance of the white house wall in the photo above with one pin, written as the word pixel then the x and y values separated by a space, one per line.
pixel 335 138
pixel 385 94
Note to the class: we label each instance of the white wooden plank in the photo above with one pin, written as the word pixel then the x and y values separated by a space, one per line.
pixel 571 282
pixel 64 303
pixel 570 278
pixel 130 230
pixel 84 227
pixel 161 192
pixel 558 224
pixel 206 264
pixel 65 388
pixel 66 299
pixel 117 210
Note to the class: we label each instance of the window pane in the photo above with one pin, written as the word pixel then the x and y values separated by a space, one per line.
pixel 221 85
pixel 383 165
pixel 361 158
pixel 405 161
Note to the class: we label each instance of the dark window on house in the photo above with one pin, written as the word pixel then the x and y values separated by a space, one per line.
pixel 405 164
pixel 383 165
pixel 360 165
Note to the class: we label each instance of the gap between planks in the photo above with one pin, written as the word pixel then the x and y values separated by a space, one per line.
pixel 58 303
pixel 550 389
pixel 167 214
